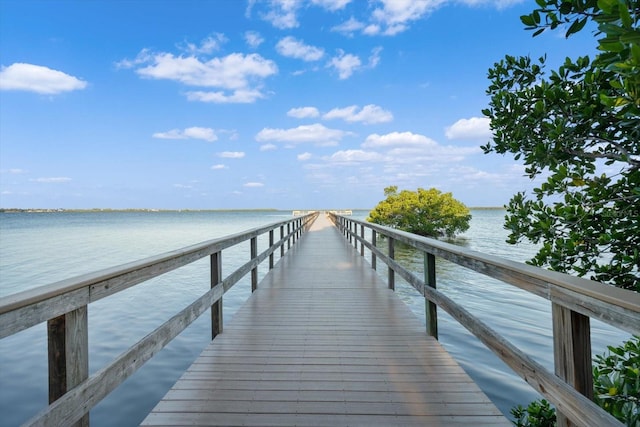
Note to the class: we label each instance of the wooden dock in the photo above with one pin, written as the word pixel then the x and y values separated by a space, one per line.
pixel 324 342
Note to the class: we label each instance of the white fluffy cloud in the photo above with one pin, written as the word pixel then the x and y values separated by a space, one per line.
pixel 238 77
pixel 206 134
pixel 394 16
pixel 315 134
pixel 206 46
pixel 400 157
pixel 253 39
pixel 268 147
pixel 354 156
pixel 349 27
pixel 304 156
pixel 303 112
pixel 234 71
pixel 369 114
pixel 231 154
pixel 253 185
pixel 474 128
pixel 219 166
pixel 52 180
pixel 39 79
pixel 331 5
pixel 398 139
pixel 283 14
pixel 293 48
pixel 345 64
pixel 220 97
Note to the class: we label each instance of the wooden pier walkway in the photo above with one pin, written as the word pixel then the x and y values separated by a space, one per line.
pixel 324 342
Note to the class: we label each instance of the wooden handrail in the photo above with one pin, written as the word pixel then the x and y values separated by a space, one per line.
pixel 574 301
pixel 63 305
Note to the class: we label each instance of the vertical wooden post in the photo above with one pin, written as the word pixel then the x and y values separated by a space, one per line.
pixel 362 241
pixel 431 312
pixel 68 343
pixel 282 237
pixel 572 352
pixel 216 308
pixel 288 236
pixel 254 271
pixel 373 243
pixel 392 254
pixel 354 234
pixel 295 231
pixel 271 247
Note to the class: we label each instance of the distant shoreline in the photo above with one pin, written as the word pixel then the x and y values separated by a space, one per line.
pixel 99 210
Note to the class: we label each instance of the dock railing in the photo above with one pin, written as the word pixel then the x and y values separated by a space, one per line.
pixel 574 301
pixel 63 305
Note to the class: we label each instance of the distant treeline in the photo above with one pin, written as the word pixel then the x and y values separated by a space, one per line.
pixel 38 210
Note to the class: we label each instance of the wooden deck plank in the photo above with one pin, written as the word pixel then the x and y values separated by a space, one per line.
pixel 324 342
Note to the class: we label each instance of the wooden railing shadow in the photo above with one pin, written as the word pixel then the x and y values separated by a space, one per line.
pixel 63 305
pixel 574 301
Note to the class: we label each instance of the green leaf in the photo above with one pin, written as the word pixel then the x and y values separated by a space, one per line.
pixel 635 53
pixel 536 17
pixel 625 17
pixel 607 5
pixel 631 37
pixel 576 26
pixel 528 20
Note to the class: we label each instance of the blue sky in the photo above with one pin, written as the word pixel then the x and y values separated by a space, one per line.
pixel 288 104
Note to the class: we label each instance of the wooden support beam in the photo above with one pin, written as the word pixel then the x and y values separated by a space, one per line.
pixel 392 251
pixel 431 309
pixel 374 236
pixel 254 271
pixel 572 353
pixel 68 343
pixel 271 246
pixel 216 308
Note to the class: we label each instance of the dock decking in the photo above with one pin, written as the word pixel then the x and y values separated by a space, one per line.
pixel 323 342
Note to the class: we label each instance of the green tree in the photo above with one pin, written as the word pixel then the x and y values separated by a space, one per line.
pixel 578 126
pixel 424 212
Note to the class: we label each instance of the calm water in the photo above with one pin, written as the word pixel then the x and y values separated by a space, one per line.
pixel 38 249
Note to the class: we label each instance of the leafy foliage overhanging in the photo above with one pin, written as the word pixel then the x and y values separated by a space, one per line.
pixel 578 127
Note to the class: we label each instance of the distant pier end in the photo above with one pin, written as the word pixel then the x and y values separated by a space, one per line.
pixel 346 212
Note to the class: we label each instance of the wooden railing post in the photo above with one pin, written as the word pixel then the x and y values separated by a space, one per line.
pixel 288 235
pixel 362 241
pixel 271 247
pixel 282 237
pixel 295 231
pixel 572 352
pixel 354 234
pixel 254 271
pixel 392 254
pixel 68 342
pixel 431 312
pixel 216 308
pixel 373 243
